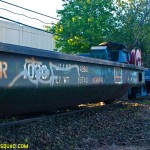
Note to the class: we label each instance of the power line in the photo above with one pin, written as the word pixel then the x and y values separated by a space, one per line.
pixel 29 10
pixel 30 26
pixel 67 37
pixel 24 24
pixel 26 16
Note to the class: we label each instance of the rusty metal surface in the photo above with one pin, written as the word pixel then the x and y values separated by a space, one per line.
pixel 30 81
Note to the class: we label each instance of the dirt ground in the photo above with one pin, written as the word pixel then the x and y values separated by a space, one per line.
pixel 124 125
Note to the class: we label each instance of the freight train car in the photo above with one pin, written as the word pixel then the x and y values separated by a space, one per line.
pixel 35 80
pixel 118 52
pixel 147 80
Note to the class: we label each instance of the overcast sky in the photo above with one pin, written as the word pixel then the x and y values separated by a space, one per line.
pixel 47 7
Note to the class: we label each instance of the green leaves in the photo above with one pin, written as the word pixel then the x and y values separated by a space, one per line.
pixel 134 16
pixel 87 23
pixel 82 24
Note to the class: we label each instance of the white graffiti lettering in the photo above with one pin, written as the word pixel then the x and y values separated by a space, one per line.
pixel 37 73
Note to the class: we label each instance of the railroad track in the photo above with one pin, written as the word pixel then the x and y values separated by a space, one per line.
pixel 35 119
pixel 41 118
pixel 68 111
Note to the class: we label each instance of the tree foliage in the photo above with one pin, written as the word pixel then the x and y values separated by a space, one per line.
pixel 133 17
pixel 89 22
pixel 82 24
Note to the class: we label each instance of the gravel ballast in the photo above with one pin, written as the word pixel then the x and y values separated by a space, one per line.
pixel 124 125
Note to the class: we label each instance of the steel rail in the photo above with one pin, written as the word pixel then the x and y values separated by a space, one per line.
pixel 35 119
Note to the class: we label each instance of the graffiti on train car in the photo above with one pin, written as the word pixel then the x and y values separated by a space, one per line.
pixel 66 73
pixel 37 73
pixel 3 69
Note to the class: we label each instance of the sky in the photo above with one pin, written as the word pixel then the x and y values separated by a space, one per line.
pixel 47 7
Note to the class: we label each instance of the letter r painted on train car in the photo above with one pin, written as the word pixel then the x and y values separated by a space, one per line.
pixel 3 69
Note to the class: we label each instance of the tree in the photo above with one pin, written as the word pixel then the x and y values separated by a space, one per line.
pixel 133 17
pixel 83 24
pixel 89 22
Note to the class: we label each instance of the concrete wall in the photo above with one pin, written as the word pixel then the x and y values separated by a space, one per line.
pixel 25 36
